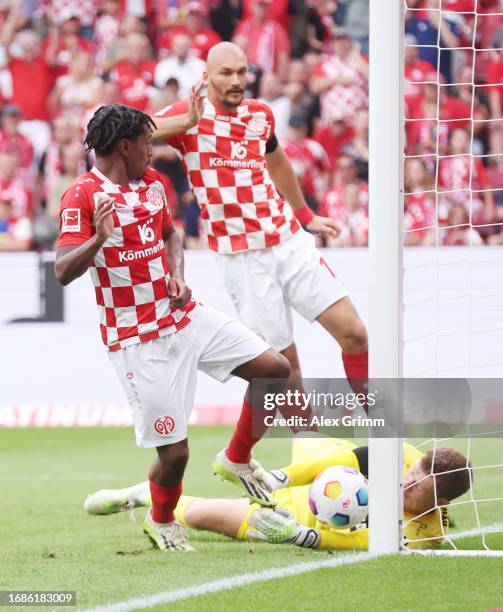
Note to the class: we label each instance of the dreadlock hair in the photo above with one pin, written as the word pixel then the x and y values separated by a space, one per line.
pixel 111 123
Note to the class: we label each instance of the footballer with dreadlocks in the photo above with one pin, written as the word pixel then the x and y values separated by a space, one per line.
pixel 115 222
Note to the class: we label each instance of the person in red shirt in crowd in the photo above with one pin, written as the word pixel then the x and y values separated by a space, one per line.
pixel 320 24
pixel 419 206
pixel 347 204
pixel 334 136
pixel 12 141
pixel 422 130
pixel 32 76
pixel 415 71
pixel 278 11
pixel 358 147
pixel 268 45
pixel 78 90
pixel 135 72
pixel 65 134
pixel 202 37
pixel 12 187
pixel 457 175
pixel 341 79
pixel 303 101
pixel 106 28
pixel 495 94
pixel 66 28
pixel 309 161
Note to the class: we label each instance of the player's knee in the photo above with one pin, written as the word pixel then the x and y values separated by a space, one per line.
pixel 195 514
pixel 280 366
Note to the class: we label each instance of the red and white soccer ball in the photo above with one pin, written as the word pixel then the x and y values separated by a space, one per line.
pixel 339 497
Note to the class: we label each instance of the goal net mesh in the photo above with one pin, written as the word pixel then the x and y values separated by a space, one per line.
pixel 453 284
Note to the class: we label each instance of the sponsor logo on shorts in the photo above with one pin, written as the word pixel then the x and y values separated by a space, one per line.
pixel 70 218
pixel 164 425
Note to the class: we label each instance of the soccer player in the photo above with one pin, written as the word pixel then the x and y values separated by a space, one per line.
pixel 425 520
pixel 253 209
pixel 116 224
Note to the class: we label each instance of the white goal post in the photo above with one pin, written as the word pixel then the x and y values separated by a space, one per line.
pixel 386 162
pixel 387 271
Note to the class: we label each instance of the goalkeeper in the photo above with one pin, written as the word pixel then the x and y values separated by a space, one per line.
pixel 425 520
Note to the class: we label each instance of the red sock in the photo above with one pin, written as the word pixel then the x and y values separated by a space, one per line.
pixel 294 409
pixel 356 367
pixel 249 429
pixel 164 500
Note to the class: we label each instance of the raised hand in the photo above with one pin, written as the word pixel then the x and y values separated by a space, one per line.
pixel 103 219
pixel 196 103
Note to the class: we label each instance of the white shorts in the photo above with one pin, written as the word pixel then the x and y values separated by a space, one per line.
pixel 159 376
pixel 265 284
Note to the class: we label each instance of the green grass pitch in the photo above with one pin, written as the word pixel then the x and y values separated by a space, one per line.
pixel 47 542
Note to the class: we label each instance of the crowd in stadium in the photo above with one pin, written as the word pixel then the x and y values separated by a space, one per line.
pixel 62 59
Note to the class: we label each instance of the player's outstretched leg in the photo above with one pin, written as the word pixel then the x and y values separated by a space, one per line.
pixel 111 501
pixel 166 474
pixel 235 463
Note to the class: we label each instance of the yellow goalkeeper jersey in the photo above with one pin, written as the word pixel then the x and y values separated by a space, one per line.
pixel 310 456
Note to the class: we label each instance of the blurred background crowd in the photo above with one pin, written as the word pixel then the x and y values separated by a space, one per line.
pixel 62 59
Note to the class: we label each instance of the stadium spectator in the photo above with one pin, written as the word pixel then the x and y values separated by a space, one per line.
pixel 78 90
pixel 268 45
pixel 358 147
pixel 202 37
pixel 271 92
pixel 495 94
pixel 15 233
pixel 32 75
pixel 12 141
pixel 346 205
pixel 430 28
pixel 85 10
pixel 416 70
pixel 65 134
pixel 66 26
pixel 309 161
pixel 181 65
pixel 319 24
pixel 303 101
pixel 419 213
pixel 459 174
pixel 134 72
pixel 356 22
pixel 341 79
pixel 334 136
pixel 116 51
pixel 15 207
pixel 106 28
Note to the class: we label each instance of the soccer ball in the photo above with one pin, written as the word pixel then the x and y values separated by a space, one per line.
pixel 339 497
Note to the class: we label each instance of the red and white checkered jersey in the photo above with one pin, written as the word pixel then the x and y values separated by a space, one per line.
pixel 130 271
pixel 224 159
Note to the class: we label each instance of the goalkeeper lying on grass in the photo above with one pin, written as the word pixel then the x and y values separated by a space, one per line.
pixel 292 522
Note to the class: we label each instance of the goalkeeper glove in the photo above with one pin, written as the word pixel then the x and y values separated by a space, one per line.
pixel 280 527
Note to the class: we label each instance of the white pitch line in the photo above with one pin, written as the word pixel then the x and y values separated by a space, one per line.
pixel 164 597
pixel 494 528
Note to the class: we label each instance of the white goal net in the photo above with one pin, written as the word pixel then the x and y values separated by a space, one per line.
pixel 448 279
